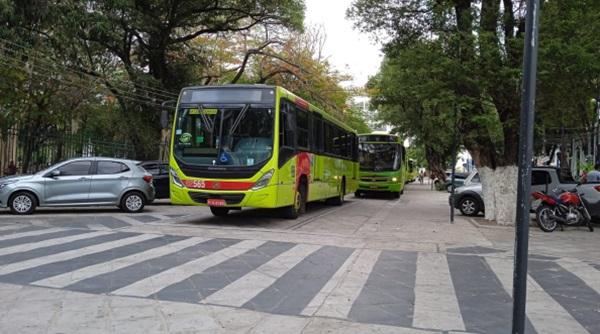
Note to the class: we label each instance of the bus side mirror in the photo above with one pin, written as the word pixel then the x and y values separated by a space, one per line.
pixel 165 111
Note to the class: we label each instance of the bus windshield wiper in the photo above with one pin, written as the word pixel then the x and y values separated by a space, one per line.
pixel 238 119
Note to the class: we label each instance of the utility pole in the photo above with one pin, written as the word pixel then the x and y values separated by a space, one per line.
pixel 454 154
pixel 525 156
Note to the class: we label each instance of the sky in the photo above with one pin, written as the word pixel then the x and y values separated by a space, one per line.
pixel 349 51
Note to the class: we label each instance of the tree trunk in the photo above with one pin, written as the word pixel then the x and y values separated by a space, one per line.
pixel 436 163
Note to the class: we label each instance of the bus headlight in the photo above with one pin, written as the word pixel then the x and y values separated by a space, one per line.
pixel 176 179
pixel 264 180
pixel 394 179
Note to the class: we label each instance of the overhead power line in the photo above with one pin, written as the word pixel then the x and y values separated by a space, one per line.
pixel 46 74
pixel 88 72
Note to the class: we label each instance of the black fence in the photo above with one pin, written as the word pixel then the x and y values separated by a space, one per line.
pixel 30 152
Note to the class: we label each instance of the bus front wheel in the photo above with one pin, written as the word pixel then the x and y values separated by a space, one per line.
pixel 299 206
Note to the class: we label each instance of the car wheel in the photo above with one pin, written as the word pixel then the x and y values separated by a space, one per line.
pixel 219 211
pixel 299 206
pixel 22 203
pixel 468 206
pixel 133 202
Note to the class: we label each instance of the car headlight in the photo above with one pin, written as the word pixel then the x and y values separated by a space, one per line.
pixel 4 184
pixel 264 180
pixel 176 179
pixel 394 179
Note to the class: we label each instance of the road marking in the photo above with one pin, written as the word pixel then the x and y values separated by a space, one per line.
pixel 244 289
pixel 387 298
pixel 72 277
pixel 50 242
pixel 546 315
pixel 587 273
pixel 484 304
pixel 202 285
pixel 14 226
pixel 339 300
pixel 127 239
pixel 31 233
pixel 436 306
pixel 293 291
pixel 572 293
pixel 333 283
pixel 155 283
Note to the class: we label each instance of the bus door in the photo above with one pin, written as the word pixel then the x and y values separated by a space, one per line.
pixel 317 170
pixel 286 155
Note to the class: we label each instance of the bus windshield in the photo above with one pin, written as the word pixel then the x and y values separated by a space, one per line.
pixel 379 157
pixel 232 136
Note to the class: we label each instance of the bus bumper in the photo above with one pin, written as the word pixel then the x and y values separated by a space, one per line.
pixel 261 198
pixel 379 186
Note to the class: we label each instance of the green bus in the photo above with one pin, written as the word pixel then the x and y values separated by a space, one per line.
pixel 383 164
pixel 258 146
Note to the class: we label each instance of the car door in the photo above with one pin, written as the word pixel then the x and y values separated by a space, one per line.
pixel 108 182
pixel 71 185
pixel 161 181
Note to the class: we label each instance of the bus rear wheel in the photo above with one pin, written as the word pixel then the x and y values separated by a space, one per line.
pixel 339 199
pixel 219 211
pixel 299 206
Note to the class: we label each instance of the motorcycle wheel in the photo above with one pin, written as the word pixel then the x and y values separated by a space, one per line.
pixel 542 216
pixel 590 227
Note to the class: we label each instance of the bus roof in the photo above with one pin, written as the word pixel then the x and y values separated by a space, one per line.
pixel 282 92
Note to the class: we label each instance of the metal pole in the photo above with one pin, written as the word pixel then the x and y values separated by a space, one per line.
pixel 525 156
pixel 454 153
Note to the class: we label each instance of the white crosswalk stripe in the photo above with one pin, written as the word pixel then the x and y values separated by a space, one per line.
pixel 341 299
pixel 68 278
pixel 50 242
pixel 153 284
pixel 333 283
pixel 11 227
pixel 589 274
pixel 30 233
pixel 68 255
pixel 542 310
pixel 436 305
pixel 250 285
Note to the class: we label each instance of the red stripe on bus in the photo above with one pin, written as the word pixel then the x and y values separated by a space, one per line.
pixel 218 185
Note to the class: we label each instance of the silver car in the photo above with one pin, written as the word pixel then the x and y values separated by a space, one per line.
pixel 80 182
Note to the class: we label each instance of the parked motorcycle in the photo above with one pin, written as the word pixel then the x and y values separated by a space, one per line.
pixel 566 208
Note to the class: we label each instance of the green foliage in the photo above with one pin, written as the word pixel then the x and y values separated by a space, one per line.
pixel 467 54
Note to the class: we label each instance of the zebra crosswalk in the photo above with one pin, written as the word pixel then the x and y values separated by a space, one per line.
pixel 432 291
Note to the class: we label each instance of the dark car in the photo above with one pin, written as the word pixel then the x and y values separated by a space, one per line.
pixel 160 174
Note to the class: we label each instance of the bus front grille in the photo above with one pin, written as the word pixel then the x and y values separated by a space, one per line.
pixel 374 179
pixel 230 199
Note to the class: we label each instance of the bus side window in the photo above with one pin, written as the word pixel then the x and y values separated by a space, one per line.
pixel 287 139
pixel 317 134
pixel 302 128
pixel 286 125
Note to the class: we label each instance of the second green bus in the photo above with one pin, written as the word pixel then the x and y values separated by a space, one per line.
pixel 383 165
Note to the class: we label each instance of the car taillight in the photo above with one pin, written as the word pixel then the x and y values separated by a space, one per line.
pixel 597 188
pixel 147 178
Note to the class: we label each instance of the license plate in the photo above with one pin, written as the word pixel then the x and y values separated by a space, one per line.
pixel 373 187
pixel 215 202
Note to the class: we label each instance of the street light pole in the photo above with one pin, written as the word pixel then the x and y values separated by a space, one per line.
pixel 525 157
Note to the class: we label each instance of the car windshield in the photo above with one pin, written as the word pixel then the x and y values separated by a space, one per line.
pixel 379 157
pixel 229 136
